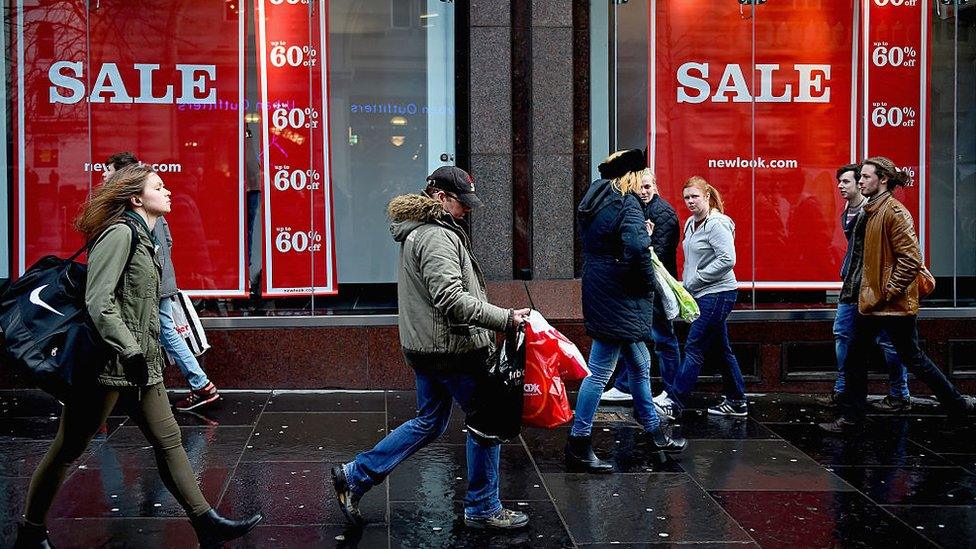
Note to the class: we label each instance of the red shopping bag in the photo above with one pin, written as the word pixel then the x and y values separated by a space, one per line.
pixel 553 345
pixel 550 357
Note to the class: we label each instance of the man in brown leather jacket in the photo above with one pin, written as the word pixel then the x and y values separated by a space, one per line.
pixel 881 278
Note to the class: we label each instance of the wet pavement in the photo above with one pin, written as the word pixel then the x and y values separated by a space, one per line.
pixel 772 480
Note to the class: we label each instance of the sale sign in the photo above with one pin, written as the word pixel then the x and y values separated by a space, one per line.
pixel 895 56
pixel 760 101
pixel 92 80
pixel 299 250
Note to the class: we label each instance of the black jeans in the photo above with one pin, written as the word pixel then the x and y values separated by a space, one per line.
pixel 903 331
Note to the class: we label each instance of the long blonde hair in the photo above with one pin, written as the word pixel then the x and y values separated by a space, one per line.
pixel 629 182
pixel 111 199
pixel 714 197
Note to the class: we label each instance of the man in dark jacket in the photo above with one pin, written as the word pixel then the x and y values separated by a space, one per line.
pixel 447 331
pixel 663 223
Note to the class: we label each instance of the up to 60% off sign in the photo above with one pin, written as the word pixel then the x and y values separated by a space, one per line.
pixel 287 241
pixel 282 55
pixel 295 118
pixel 299 252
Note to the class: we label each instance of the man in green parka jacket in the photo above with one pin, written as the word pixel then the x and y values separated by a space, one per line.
pixel 447 331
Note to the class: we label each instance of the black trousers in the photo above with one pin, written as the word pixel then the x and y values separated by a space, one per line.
pixel 903 331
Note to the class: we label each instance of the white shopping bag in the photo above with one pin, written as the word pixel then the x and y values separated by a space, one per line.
pixel 188 324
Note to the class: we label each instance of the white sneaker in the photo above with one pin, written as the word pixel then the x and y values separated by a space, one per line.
pixel 664 408
pixel 613 395
pixel 662 398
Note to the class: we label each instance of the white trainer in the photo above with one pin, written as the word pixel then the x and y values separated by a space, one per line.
pixel 664 408
pixel 615 395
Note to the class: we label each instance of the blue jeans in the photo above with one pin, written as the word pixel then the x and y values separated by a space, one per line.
pixel 434 394
pixel 708 331
pixel 635 357
pixel 844 334
pixel 177 349
pixel 665 347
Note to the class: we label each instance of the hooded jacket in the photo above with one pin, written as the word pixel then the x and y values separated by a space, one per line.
pixel 618 275
pixel 892 260
pixel 123 300
pixel 443 306
pixel 709 255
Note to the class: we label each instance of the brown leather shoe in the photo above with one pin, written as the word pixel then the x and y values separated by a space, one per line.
pixel 830 400
pixel 892 405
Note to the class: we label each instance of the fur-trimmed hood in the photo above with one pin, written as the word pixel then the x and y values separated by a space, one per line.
pixel 409 211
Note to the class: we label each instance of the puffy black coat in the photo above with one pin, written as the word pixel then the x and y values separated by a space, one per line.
pixel 666 232
pixel 618 276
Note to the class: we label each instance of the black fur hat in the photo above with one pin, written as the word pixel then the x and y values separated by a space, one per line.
pixel 632 160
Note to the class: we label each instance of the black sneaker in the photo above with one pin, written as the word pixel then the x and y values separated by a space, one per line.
pixel 892 405
pixel 728 409
pixel 504 519
pixel 348 500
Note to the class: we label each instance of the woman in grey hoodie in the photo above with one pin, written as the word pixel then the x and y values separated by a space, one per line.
pixel 709 249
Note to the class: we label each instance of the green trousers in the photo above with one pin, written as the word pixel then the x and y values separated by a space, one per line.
pixel 81 419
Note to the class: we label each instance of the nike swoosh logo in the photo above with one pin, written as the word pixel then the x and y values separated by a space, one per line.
pixel 35 298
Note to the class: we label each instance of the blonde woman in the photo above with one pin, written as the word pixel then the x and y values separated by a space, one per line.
pixel 618 304
pixel 665 234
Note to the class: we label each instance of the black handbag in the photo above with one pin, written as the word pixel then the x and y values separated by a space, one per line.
pixel 497 412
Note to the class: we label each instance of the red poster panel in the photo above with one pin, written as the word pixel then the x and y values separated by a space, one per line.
pixel 895 65
pixel 299 248
pixel 761 104
pixel 163 80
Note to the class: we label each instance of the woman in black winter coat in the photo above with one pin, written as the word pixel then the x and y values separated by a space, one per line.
pixel 618 282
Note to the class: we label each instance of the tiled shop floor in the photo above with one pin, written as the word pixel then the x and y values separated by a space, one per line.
pixel 770 480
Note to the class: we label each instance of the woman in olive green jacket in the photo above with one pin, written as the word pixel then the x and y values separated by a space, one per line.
pixel 122 297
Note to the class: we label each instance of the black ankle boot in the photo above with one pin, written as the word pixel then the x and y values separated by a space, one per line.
pixel 213 529
pixel 32 536
pixel 662 442
pixel 579 455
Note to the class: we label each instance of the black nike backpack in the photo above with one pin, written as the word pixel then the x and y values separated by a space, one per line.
pixel 47 332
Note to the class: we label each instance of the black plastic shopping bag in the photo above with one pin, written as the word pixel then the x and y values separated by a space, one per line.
pixel 497 413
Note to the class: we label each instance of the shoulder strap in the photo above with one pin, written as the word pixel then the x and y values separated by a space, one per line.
pixel 133 245
pixel 135 241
